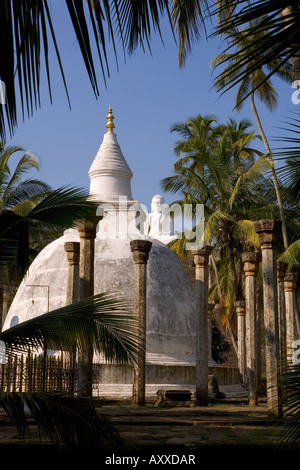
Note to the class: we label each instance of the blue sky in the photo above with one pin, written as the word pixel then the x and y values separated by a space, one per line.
pixel 148 94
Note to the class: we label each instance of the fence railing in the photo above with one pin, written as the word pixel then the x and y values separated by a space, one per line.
pixel 31 373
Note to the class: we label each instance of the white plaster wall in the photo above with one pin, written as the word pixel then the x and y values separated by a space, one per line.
pixel 171 298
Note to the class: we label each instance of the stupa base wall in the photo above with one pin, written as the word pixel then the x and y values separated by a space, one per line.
pixel 164 374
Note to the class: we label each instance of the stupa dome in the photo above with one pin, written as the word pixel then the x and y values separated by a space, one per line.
pixel 170 296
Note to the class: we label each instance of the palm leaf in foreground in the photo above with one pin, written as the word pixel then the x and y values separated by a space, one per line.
pixel 289 436
pixel 103 322
pixel 292 254
pixel 59 209
pixel 64 422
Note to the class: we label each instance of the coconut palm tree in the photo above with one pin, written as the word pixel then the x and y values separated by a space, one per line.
pixel 230 187
pixel 19 195
pixel 281 20
pixel 266 93
pixel 16 193
pixel 289 171
pixel 59 209
pixel 24 229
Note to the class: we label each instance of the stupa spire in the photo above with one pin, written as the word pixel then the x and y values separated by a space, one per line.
pixel 110 121
pixel 109 173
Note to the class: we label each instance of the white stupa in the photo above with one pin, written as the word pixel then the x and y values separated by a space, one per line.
pixel 171 302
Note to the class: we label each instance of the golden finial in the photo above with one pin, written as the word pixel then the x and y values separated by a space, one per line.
pixel 110 124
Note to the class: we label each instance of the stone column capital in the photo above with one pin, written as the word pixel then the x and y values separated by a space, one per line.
pixel 87 228
pixel 72 249
pixel 290 282
pixel 201 256
pixel 281 270
pixel 240 307
pixel 251 260
pixel 267 230
pixel 140 250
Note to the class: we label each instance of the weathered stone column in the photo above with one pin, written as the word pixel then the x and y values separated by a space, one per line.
pixel 259 309
pixel 240 313
pixel 201 258
pixel 281 270
pixel 290 281
pixel 140 250
pixel 267 231
pixel 210 309
pixel 87 233
pixel 3 303
pixel 72 249
pixel 251 262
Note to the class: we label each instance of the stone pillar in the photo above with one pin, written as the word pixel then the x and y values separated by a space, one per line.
pixel 267 231
pixel 210 308
pixel 259 309
pixel 251 262
pixel 3 300
pixel 72 249
pixel 201 258
pixel 240 313
pixel 281 270
pixel 73 252
pixel 290 282
pixel 87 233
pixel 140 250
pixel 3 303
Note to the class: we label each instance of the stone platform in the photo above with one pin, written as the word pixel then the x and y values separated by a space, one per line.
pixel 163 371
pixel 124 391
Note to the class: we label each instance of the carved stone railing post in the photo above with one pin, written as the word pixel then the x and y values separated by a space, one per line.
pixel 251 262
pixel 281 270
pixel 87 233
pixel 267 231
pixel 290 281
pixel 72 249
pixel 140 250
pixel 201 258
pixel 241 331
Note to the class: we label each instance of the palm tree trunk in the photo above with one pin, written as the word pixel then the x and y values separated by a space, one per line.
pixel 274 177
pixel 213 262
pixel 237 290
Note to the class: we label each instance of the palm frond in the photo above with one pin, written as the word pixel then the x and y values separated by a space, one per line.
pixel 27 29
pixel 188 19
pixel 288 436
pixel 292 254
pixel 61 208
pixel 274 37
pixel 102 322
pixel 256 171
pixel 64 206
pixel 64 422
pixel 244 230
pixel 32 190
pixel 213 225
